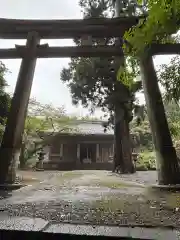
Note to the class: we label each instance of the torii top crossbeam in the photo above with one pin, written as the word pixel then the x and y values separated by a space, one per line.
pixel 58 29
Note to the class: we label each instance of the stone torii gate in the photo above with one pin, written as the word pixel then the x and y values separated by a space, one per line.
pixel 34 31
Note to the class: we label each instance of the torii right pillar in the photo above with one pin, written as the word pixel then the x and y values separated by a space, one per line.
pixel 167 163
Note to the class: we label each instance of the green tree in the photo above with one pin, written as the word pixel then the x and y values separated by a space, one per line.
pixel 42 123
pixel 93 82
pixel 4 99
pixel 141 129
pixel 173 117
pixel 161 21
pixel 169 78
pixel 157 27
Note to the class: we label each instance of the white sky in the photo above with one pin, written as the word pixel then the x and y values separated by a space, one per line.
pixel 47 87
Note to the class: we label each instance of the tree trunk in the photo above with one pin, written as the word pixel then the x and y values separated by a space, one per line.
pixel 126 147
pixel 11 176
pixel 22 159
pixel 167 163
pixel 123 151
pixel 118 158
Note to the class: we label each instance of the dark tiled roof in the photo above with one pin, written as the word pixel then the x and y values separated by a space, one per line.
pixel 92 128
pixel 79 127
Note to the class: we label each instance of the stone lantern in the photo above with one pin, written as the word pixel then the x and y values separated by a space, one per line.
pixel 41 155
pixel 134 158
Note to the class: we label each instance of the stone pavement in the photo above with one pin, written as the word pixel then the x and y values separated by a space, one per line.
pixel 93 198
pixel 38 224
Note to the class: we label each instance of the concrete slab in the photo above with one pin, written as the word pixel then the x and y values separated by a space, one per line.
pixel 88 230
pixel 142 233
pixel 38 224
pixel 22 223
pixel 153 233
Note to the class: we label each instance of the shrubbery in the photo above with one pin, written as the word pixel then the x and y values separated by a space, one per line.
pixel 146 161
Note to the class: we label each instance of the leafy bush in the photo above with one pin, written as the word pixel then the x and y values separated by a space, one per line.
pixel 146 161
pixel 142 135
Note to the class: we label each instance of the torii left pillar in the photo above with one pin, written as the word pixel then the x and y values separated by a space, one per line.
pixel 11 142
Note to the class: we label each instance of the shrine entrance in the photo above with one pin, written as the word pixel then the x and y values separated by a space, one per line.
pixel 34 31
pixel 88 153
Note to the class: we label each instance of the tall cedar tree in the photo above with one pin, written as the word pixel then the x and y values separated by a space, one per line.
pixel 93 82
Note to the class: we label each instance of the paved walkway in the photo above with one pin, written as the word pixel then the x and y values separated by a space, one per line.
pixel 38 224
pixel 95 198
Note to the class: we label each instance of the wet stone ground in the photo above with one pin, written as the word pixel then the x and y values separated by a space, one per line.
pixel 94 197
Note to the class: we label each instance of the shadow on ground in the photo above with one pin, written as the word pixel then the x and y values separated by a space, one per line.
pixel 5 194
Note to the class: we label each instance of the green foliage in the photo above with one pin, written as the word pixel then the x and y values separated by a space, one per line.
pixel 43 121
pixel 146 161
pixel 163 20
pixel 125 77
pixel 173 117
pixel 5 99
pixel 33 124
pixel 43 117
pixel 93 81
pixel 142 135
pixel 128 73
pixel 169 78
pixel 97 8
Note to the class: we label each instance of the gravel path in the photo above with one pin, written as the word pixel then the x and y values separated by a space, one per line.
pixel 144 177
pixel 95 197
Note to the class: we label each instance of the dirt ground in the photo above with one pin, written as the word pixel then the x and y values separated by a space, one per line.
pixel 95 197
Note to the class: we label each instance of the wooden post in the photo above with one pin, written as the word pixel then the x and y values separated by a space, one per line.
pixel 15 123
pixel 78 152
pixel 61 151
pixel 47 151
pixel 168 171
pixel 97 152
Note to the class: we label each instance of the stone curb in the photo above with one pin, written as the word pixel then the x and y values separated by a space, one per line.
pixel 131 232
pixel 25 186
pixel 38 224
pixel 12 186
pixel 133 183
pixel 165 187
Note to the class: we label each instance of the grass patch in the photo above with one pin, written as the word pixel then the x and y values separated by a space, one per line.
pixel 28 177
pixel 116 184
pixel 165 198
pixel 29 180
pixel 109 204
pixel 172 200
pixel 70 175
